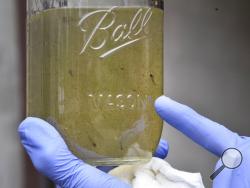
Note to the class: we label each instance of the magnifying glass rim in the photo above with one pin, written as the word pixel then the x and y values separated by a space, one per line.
pixel 241 158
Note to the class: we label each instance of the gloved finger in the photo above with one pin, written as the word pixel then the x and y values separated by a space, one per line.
pixel 51 157
pixel 162 149
pixel 106 168
pixel 209 134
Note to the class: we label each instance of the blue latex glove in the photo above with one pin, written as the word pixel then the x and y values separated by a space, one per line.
pixel 210 135
pixel 51 157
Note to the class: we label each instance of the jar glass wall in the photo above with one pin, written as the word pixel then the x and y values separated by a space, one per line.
pixel 94 69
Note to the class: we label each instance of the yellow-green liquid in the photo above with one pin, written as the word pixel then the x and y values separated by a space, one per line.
pixel 102 106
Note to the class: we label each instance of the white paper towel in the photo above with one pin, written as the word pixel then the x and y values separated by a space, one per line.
pixel 157 174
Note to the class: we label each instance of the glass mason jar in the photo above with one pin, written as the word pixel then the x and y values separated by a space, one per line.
pixel 94 69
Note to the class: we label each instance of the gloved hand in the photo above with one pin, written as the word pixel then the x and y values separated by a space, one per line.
pixel 51 157
pixel 210 135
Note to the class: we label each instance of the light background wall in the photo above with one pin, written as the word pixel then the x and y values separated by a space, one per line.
pixel 11 173
pixel 207 67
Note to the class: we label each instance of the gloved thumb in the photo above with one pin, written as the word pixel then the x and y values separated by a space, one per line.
pixel 51 156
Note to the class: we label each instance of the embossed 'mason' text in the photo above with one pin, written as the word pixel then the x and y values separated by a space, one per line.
pixel 121 35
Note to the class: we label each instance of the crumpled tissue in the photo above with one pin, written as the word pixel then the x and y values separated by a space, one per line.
pixel 157 174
